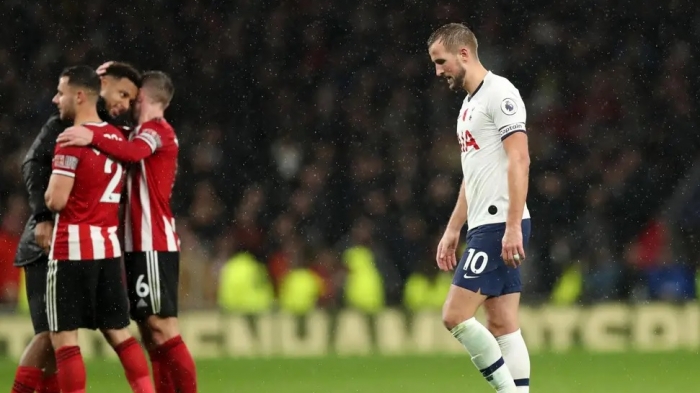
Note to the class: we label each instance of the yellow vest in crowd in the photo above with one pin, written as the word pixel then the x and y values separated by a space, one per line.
pixel 568 287
pixel 299 291
pixel 244 286
pixel 364 289
pixel 423 293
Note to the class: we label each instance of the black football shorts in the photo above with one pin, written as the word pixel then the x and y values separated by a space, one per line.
pixel 152 278
pixel 86 294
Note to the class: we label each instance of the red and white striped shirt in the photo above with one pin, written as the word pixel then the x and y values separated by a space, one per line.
pixel 150 225
pixel 86 228
pixel 153 150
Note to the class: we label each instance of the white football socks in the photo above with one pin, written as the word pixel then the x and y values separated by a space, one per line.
pixel 485 354
pixel 517 359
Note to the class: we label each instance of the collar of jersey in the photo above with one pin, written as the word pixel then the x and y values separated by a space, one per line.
pixel 469 98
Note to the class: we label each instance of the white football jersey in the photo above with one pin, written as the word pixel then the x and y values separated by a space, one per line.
pixel 494 112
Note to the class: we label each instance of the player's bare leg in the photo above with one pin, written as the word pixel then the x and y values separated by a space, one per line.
pixel 503 323
pixel 132 358
pixel 161 376
pixel 146 336
pixel 36 365
pixel 69 361
pixel 169 350
pixel 39 353
pixel 502 314
pixel 458 316
pixel 161 329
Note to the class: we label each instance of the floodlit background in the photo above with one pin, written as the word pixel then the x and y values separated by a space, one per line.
pixel 319 166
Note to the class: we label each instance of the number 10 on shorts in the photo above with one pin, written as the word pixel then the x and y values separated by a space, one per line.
pixel 476 262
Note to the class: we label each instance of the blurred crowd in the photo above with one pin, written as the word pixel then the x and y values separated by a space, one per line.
pixel 308 128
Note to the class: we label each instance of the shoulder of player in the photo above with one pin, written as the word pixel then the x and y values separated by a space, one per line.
pixel 501 85
pixel 106 129
pixel 500 91
pixel 72 151
pixel 159 125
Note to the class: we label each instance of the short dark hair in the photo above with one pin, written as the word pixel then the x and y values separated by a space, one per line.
pixel 83 76
pixel 454 35
pixel 159 86
pixel 121 70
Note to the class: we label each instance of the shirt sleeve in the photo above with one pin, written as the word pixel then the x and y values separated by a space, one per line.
pixel 122 150
pixel 65 160
pixel 508 112
pixel 152 137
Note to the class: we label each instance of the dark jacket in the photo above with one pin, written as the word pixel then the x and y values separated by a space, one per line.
pixel 36 171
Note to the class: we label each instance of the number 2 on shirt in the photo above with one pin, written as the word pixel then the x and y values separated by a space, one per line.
pixel 109 195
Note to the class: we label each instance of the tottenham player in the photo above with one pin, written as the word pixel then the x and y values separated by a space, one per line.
pixel 495 163
pixel 36 370
pixel 152 245
pixel 84 286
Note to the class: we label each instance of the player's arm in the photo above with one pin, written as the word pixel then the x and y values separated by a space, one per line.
pixel 123 150
pixel 36 169
pixel 115 146
pixel 509 116
pixel 459 214
pixel 65 163
pixel 518 175
pixel 57 194
pixel 446 259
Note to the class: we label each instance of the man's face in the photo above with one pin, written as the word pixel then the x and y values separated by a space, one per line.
pixel 448 65
pixel 118 94
pixel 65 99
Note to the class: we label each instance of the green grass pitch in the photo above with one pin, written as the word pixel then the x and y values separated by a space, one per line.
pixel 576 372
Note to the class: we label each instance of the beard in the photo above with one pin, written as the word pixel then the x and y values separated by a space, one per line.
pixel 125 119
pixel 67 114
pixel 458 80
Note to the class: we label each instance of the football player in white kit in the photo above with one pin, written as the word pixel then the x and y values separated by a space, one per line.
pixel 495 163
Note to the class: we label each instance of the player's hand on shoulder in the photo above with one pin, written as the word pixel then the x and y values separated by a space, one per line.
pixel 42 234
pixel 75 136
pixel 445 257
pixel 513 252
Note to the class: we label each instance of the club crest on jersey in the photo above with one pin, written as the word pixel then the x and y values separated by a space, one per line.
pixel 509 107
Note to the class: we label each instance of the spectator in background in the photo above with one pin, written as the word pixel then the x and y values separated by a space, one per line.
pixel 11 228
pixel 329 117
